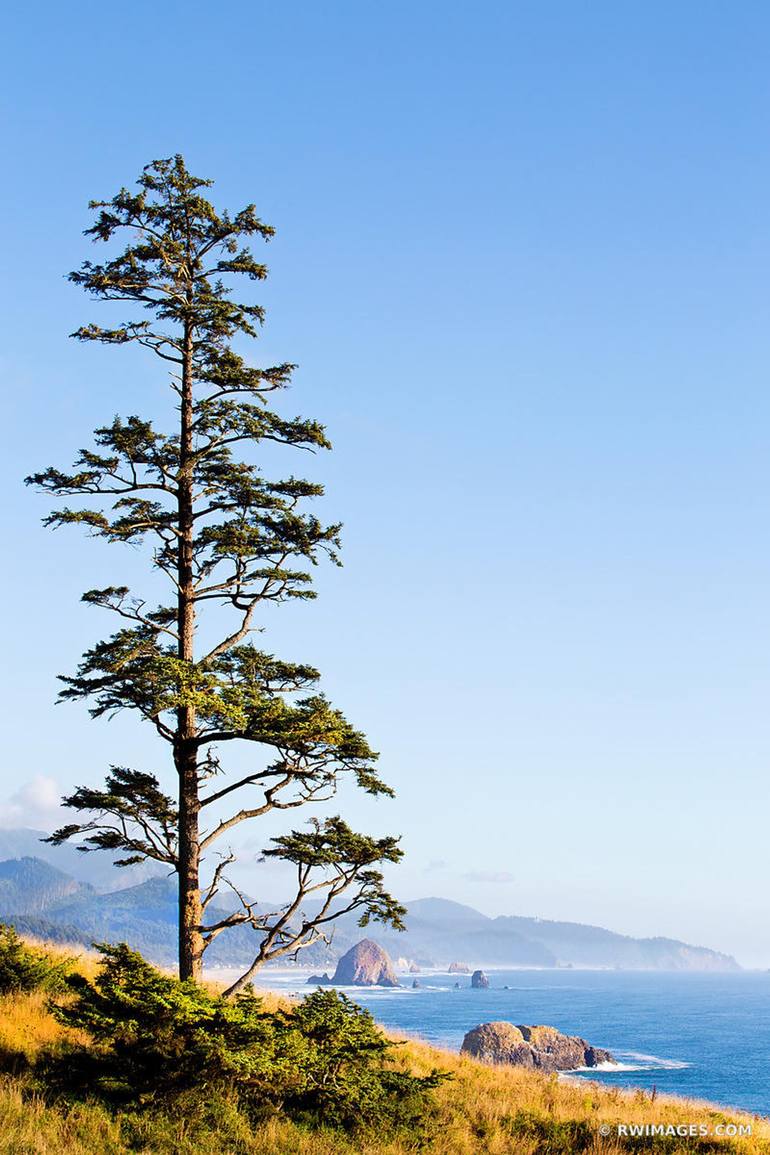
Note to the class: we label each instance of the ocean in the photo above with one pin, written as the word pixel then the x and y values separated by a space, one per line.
pixel 706 1036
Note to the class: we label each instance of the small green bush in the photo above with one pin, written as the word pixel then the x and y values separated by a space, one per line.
pixel 24 969
pixel 157 1040
pixel 346 1077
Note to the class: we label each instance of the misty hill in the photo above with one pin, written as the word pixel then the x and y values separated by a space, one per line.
pixel 30 886
pixel 592 946
pixel 95 869
pixel 52 906
pixel 44 901
pixel 440 931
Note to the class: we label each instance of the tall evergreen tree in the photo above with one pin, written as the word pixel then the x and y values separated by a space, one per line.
pixel 221 535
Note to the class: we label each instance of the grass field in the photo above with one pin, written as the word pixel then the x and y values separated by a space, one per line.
pixel 480 1110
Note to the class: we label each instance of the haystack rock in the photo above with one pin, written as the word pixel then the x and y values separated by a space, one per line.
pixel 541 1048
pixel 479 981
pixel 365 965
pixel 457 968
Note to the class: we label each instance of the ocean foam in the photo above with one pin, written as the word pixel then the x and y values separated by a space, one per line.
pixel 639 1062
pixel 653 1062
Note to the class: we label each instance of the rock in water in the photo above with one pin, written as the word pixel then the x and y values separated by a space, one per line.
pixel 458 968
pixel 541 1048
pixel 414 969
pixel 319 980
pixel 365 965
pixel 479 981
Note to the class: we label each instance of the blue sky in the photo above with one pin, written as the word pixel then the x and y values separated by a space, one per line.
pixel 522 262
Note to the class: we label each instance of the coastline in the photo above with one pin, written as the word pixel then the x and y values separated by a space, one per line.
pixel 672 1033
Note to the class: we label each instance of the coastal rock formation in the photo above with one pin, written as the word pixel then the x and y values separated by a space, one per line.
pixel 414 969
pixel 365 965
pixel 479 981
pixel 319 980
pixel 541 1048
pixel 458 968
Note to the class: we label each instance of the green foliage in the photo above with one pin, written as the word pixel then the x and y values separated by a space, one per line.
pixel 347 1079
pixel 156 1040
pixel 334 846
pixel 24 969
pixel 134 796
pixel 157 1036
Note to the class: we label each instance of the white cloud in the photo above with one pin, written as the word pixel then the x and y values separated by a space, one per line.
pixel 35 804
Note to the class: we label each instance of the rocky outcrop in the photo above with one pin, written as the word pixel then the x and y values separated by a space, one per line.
pixel 479 981
pixel 457 968
pixel 319 980
pixel 414 969
pixel 365 965
pixel 540 1048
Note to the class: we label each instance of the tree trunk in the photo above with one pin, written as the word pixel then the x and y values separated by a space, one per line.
pixel 185 748
pixel 190 941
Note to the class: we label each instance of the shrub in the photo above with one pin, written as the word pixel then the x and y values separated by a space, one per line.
pixel 346 1078
pixel 157 1039
pixel 155 1035
pixel 24 968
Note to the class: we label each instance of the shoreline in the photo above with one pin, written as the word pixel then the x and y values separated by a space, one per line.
pixel 290 983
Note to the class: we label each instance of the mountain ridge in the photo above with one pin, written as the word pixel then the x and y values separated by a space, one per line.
pixel 44 901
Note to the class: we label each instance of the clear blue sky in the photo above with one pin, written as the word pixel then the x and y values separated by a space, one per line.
pixel 522 260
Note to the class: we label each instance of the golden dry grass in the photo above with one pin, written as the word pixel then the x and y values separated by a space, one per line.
pixel 481 1111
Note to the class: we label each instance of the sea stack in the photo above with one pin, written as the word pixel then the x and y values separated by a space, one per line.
pixel 458 968
pixel 319 980
pixel 365 965
pixel 479 981
pixel 540 1048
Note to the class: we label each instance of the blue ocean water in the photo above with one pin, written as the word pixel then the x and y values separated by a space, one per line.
pixel 706 1036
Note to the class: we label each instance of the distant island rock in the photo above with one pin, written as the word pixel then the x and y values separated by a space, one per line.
pixel 319 980
pixel 365 965
pixel 479 981
pixel 414 969
pixel 458 968
pixel 541 1048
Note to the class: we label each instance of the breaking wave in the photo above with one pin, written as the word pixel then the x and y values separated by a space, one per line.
pixel 634 1061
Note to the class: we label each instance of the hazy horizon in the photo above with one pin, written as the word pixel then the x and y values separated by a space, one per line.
pixel 247 874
